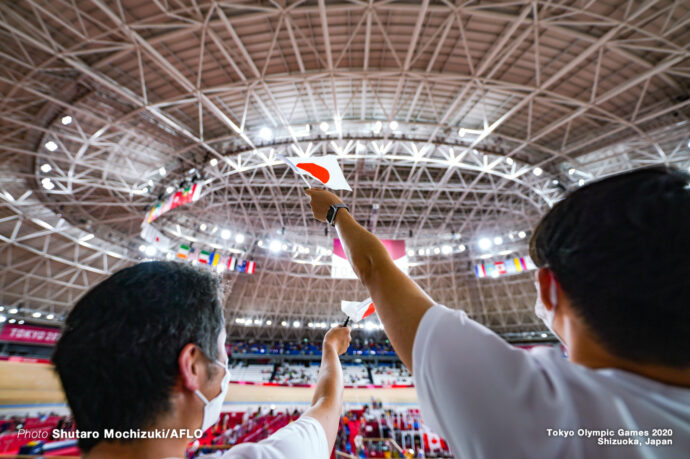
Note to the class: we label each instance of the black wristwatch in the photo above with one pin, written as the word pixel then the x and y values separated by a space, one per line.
pixel 333 211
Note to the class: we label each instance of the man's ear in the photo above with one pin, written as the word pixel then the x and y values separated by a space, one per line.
pixel 548 285
pixel 192 367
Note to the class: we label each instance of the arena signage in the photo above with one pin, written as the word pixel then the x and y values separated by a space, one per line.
pixel 29 334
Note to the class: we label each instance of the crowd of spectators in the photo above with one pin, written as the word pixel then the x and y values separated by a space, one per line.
pixel 358 347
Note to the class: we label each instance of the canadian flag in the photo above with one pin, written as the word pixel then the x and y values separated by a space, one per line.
pixel 432 442
pixel 358 310
pixel 325 169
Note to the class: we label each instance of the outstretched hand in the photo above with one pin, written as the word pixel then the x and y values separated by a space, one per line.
pixel 320 201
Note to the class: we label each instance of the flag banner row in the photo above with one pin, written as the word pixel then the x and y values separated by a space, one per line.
pixel 215 260
pixel 182 196
pixel 342 269
pixel 155 237
pixel 504 268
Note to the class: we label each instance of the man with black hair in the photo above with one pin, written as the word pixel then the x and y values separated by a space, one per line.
pixel 613 285
pixel 144 351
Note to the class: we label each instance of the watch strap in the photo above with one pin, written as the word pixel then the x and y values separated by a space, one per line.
pixel 333 212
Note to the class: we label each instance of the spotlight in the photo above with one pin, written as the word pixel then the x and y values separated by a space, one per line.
pixel 581 182
pixel 323 126
pixel 47 184
pixel 421 252
pixel 66 120
pixel 498 240
pixel 394 125
pixel 13 311
pixel 446 249
pixel 522 234
pixel 462 132
pixel 410 253
pixel 266 133
pixel 307 128
pixel 269 322
pixel 484 243
pixel 275 246
pixel 258 321
pixel 2 319
pixel 239 320
pixel 162 171
pixel 225 234
pixel 462 248
pixel 213 162
pixel 296 324
pixel 21 322
pixel 50 317
pixel 11 321
pixel 142 248
pixel 377 127
pixel 169 189
pixel 150 251
pixel 537 171
pixel 45 168
pixel 239 238
pixel 260 243
pixel 437 250
pixel 36 315
pixel 203 227
pixel 284 323
pixel 509 161
pixel 51 146
pixel 571 171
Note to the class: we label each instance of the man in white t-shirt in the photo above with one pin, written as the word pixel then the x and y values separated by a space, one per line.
pixel 143 354
pixel 613 285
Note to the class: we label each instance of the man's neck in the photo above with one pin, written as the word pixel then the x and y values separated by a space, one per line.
pixel 587 351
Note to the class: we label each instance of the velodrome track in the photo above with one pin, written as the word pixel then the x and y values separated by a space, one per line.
pixel 34 387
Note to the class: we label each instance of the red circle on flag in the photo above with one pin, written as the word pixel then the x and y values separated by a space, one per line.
pixel 320 173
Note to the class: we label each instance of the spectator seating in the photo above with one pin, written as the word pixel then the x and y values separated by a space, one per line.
pixel 251 373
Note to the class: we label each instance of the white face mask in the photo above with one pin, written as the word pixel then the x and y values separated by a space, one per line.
pixel 212 408
pixel 540 309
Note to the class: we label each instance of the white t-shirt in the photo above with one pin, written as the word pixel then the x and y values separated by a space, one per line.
pixel 302 439
pixel 491 400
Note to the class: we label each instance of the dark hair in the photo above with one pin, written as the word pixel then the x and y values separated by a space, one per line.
pixel 117 356
pixel 620 248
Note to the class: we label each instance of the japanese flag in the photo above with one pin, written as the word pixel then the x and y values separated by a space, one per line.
pixel 358 310
pixel 325 169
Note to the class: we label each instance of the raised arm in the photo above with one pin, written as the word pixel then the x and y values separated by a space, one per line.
pixel 327 402
pixel 400 302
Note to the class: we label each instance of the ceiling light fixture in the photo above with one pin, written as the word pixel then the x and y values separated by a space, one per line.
pixel 225 234
pixel 213 162
pixel 66 120
pixel 484 243
pixel 377 127
pixel 275 246
pixel 150 251
pixel 51 146
pixel 266 133
pixel 50 316
pixel 323 126
pixel 239 238
pixel 498 240
pixel 537 171
pixel 394 125
pixel 45 168
pixel 522 234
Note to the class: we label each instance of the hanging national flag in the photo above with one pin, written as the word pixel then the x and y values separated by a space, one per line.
pixel 155 237
pixel 325 169
pixel 251 266
pixel 183 252
pixel 204 256
pixel 241 266
pixel 232 262
pixel 182 196
pixel 214 259
pixel 358 310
